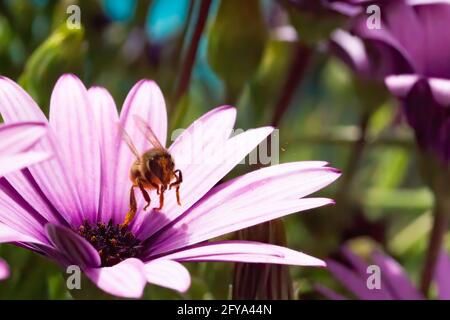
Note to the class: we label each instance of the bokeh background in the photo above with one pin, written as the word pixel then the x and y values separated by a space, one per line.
pixel 273 61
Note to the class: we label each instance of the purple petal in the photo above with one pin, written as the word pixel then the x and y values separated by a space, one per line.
pixel 357 283
pixel 396 278
pixel 400 31
pixel 106 120
pixel 401 85
pixel 16 105
pixel 18 161
pixel 328 293
pixel 357 263
pixel 248 200
pixel 18 137
pixel 72 119
pixel 245 251
pixel 75 248
pixel 145 100
pixel 27 187
pixel 17 214
pixel 4 270
pixel 434 24
pixel 169 274
pixel 351 50
pixel 50 176
pixel 7 234
pixel 441 276
pixel 125 279
pixel 440 88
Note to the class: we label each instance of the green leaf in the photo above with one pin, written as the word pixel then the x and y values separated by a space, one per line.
pixel 62 52
pixel 236 42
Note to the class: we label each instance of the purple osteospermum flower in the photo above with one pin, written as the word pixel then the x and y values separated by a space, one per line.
pixel 15 140
pixel 70 208
pixel 395 283
pixel 412 47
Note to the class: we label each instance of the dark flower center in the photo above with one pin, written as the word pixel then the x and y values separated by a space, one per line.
pixel 113 242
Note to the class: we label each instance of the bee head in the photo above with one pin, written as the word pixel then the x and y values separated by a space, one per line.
pixel 162 167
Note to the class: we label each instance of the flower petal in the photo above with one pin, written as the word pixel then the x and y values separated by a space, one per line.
pixel 396 278
pixel 16 105
pixel 351 50
pixel 21 160
pixel 50 176
pixel 440 89
pixel 75 248
pixel 256 197
pixel 125 279
pixel 441 276
pixel 4 270
pixel 245 251
pixel 401 85
pixel 18 215
pixel 17 137
pixel 7 234
pixel 357 283
pixel 145 100
pixel 106 120
pixel 169 274
pixel 72 119
pixel 328 293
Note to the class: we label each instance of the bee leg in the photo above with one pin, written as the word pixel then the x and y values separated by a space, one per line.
pixel 179 179
pixel 154 185
pixel 133 209
pixel 177 192
pixel 161 198
pixel 145 195
pixel 176 184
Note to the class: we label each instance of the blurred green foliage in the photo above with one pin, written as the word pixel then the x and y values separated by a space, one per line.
pixel 243 63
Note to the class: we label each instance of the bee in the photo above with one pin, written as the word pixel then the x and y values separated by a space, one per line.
pixel 152 170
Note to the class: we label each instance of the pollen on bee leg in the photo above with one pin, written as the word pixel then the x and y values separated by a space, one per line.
pixel 133 209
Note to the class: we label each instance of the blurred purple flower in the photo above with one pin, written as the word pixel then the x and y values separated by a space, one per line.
pixel 84 190
pixel 411 49
pixel 395 283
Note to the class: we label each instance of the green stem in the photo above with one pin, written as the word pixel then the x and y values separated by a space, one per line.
pixel 301 59
pixel 191 53
pixel 354 160
pixel 440 225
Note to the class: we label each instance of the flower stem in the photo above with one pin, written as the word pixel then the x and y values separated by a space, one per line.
pixel 189 60
pixel 355 157
pixel 301 59
pixel 440 225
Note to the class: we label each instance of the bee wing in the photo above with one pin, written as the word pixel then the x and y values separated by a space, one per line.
pixel 147 132
pixel 125 136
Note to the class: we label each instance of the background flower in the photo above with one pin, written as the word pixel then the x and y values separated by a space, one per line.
pixel 395 283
